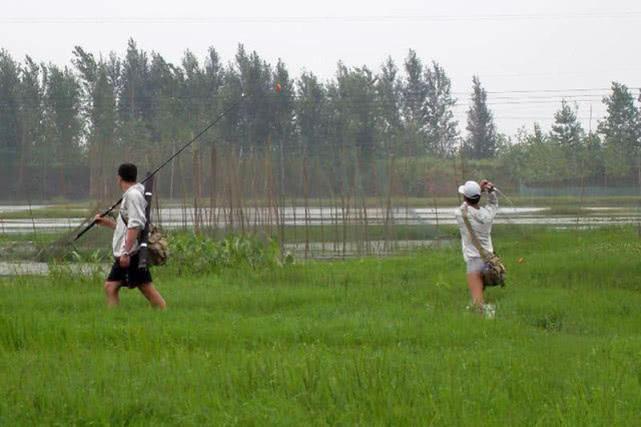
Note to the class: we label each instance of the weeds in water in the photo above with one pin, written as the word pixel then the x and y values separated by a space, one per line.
pixel 94 257
pixel 191 253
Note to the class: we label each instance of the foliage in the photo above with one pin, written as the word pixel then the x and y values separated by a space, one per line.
pixel 567 130
pixel 482 140
pixel 57 123
pixel 441 128
pixel 191 253
pixel 621 131
pixel 87 267
pixel 10 144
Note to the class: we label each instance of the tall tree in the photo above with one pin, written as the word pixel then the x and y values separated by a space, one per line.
pixel 566 129
pixel 414 90
pixel 336 134
pixel 440 127
pixel 310 104
pixel 134 99
pixel 413 97
pixel 87 67
pixel 31 92
pixel 104 129
pixel 195 90
pixel 620 130
pixel 568 134
pixel 282 109
pixel 389 92
pixel 9 115
pixel 283 103
pixel 176 99
pixel 482 139
pixel 358 92
pixel 256 80
pixel 213 81
pixel 62 113
pixel 231 92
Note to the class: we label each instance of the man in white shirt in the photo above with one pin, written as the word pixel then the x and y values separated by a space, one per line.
pixel 480 219
pixel 127 227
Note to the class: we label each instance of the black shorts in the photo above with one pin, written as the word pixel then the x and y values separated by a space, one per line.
pixel 131 276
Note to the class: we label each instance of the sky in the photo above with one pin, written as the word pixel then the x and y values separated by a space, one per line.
pixel 528 55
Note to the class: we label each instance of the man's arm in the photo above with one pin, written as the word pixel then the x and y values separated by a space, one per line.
pixel 492 202
pixel 130 238
pixel 105 221
pixel 492 198
pixel 135 203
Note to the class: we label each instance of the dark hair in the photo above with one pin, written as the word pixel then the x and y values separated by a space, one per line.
pixel 128 172
pixel 472 200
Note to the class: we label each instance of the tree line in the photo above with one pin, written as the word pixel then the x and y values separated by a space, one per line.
pixel 64 128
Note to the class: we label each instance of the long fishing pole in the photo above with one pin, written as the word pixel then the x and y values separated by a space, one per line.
pixel 505 197
pixel 165 163
pixel 510 220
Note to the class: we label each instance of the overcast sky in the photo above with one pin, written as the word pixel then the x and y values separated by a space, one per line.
pixel 533 52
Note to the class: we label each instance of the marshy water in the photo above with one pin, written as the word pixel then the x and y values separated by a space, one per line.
pixel 178 217
pixel 347 232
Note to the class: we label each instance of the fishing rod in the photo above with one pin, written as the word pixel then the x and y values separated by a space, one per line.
pixel 504 196
pixel 165 163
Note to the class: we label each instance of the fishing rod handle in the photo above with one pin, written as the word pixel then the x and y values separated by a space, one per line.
pixel 94 222
pixel 84 230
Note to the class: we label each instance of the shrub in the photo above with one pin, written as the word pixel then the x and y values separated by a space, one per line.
pixel 198 254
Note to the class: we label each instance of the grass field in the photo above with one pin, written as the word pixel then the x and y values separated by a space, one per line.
pixel 369 342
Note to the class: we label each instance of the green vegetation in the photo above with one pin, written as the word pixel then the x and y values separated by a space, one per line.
pixel 55 211
pixel 388 131
pixel 28 237
pixel 192 253
pixel 371 341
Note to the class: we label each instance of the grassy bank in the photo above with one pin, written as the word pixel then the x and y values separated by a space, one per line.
pixel 53 210
pixel 371 342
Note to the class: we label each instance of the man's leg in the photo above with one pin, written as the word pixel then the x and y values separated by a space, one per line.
pixel 475 284
pixel 152 295
pixel 111 290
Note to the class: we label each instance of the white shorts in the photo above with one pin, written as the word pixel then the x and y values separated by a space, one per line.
pixel 475 265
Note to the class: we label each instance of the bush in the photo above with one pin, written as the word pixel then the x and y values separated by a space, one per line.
pixel 198 254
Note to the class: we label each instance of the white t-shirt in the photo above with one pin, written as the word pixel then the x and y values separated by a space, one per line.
pixel 481 221
pixel 132 207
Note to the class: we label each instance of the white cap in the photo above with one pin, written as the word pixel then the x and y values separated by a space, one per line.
pixel 470 189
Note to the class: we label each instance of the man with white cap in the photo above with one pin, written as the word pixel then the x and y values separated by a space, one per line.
pixel 480 219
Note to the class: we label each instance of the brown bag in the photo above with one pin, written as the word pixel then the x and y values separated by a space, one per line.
pixel 494 271
pixel 157 246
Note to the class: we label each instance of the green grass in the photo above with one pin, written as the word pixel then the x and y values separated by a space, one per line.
pixel 331 232
pixel 54 210
pixel 28 237
pixel 370 342
pixel 47 213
